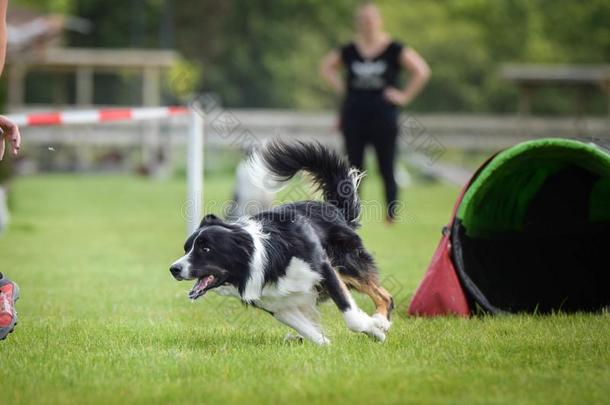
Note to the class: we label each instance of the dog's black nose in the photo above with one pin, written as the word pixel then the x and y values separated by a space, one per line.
pixel 175 269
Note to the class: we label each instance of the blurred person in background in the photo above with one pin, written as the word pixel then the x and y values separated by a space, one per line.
pixel 372 64
pixel 9 291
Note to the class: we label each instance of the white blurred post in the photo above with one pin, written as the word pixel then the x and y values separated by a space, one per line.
pixel 194 171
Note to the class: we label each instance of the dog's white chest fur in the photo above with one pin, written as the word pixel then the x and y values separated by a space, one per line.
pixel 295 289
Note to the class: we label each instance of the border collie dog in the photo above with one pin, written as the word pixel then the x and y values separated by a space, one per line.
pixel 287 259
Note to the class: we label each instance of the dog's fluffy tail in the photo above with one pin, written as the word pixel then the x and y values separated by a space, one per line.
pixel 276 162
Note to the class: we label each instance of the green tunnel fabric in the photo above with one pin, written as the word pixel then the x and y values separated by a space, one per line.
pixel 499 198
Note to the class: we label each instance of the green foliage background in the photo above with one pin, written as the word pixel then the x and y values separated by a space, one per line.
pixel 265 53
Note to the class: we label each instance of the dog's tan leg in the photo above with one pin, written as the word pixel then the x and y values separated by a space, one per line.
pixel 356 320
pixel 381 297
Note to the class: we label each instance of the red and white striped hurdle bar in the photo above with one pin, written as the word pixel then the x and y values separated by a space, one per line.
pixel 194 148
pixel 96 116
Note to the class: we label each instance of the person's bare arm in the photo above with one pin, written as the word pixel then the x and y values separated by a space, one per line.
pixel 329 70
pixel 8 130
pixel 419 71
pixel 3 39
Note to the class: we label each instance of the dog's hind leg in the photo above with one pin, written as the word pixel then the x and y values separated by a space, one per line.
pixel 370 286
pixel 357 269
pixel 297 319
pixel 355 318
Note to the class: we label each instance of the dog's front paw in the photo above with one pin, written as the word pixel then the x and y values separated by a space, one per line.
pixel 324 341
pixel 296 338
pixel 358 321
pixel 382 322
pixel 376 332
pixel 293 338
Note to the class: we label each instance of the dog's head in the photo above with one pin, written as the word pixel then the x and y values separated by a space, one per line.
pixel 215 254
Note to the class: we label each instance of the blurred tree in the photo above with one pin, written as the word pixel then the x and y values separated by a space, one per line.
pixel 261 53
pixel 50 6
pixel 118 23
pixel 265 53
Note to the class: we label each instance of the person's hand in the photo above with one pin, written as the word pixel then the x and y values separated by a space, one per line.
pixel 9 133
pixel 395 96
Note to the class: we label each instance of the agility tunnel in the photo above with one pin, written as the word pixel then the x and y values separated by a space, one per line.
pixel 529 233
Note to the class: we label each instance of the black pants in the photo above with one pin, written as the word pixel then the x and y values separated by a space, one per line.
pixel 377 127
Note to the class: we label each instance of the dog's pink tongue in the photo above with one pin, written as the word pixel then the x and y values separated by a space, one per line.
pixel 206 281
pixel 199 289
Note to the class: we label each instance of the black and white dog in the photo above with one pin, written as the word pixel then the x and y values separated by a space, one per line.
pixel 289 258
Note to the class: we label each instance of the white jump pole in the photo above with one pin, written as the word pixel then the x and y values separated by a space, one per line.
pixel 194 171
pixel 194 154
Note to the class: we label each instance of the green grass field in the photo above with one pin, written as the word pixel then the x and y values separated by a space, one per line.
pixel 102 321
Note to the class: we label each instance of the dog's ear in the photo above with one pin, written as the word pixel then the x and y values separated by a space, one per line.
pixel 210 219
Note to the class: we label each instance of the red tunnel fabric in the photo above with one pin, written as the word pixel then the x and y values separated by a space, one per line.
pixel 440 292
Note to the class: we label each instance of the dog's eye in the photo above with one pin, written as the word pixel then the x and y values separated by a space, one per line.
pixel 205 249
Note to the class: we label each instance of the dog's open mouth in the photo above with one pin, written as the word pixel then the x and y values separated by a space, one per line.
pixel 201 286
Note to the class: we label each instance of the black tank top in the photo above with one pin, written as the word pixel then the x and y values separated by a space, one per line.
pixel 367 78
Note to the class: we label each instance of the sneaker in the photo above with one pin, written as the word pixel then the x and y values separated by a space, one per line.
pixel 9 293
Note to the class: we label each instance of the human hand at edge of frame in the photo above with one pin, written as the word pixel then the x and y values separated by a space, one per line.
pixel 9 132
pixel 395 96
